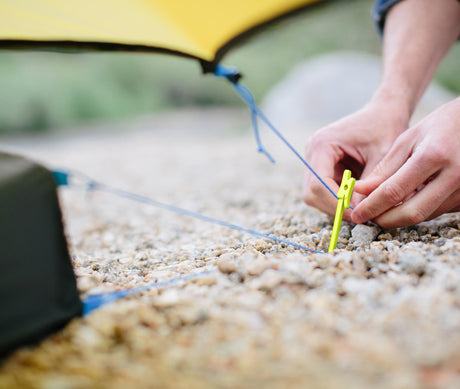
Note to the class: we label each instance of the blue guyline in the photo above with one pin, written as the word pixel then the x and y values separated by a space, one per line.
pixel 96 301
pixel 63 177
pixel 93 302
pixel 233 76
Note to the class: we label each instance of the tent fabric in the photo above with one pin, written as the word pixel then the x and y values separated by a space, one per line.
pixel 201 29
pixel 38 292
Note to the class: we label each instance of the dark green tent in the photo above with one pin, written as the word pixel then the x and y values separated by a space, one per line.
pixel 38 291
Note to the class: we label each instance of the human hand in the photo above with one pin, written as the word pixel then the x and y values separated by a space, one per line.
pixel 357 142
pixel 419 178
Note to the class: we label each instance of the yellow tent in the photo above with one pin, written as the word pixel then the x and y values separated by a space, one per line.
pixel 201 29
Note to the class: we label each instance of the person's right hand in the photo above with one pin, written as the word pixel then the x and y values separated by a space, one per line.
pixel 357 142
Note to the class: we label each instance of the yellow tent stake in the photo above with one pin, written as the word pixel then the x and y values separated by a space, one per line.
pixel 344 195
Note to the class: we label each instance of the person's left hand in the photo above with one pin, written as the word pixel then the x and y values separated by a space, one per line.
pixel 419 178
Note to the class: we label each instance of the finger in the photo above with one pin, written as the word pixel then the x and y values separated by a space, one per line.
pixel 314 192
pixel 392 161
pixel 316 195
pixel 395 189
pixel 452 204
pixel 328 203
pixel 421 206
pixel 356 198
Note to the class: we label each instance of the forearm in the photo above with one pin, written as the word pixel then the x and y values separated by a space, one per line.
pixel 418 34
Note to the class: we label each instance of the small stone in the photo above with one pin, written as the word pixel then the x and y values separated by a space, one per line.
pixel 262 244
pixel 206 280
pixel 325 239
pixel 96 266
pixel 236 277
pixel 359 264
pixel 426 238
pixel 86 283
pixel 167 299
pixel 385 236
pixel 141 257
pixel 449 232
pixel 374 258
pixel 269 280
pixel 226 266
pixel 364 234
pixel 258 266
pixel 345 232
pixel 188 316
pixel 413 264
pixel 440 241
pixel 125 260
pixel 409 235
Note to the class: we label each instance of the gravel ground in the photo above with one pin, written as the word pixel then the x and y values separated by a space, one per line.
pixel 383 311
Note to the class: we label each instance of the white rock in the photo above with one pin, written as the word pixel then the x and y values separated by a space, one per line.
pixel 364 234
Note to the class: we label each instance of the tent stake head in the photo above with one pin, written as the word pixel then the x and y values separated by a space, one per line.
pixel 344 195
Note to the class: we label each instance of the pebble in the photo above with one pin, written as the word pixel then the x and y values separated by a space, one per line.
pixel 269 280
pixel 449 232
pixel 362 234
pixel 345 231
pixel 168 298
pixel 206 280
pixel 227 266
pixel 413 264
pixel 440 241
pixel 258 266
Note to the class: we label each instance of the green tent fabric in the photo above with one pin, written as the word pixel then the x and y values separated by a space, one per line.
pixel 38 291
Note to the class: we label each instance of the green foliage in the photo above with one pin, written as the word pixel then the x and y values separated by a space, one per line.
pixel 42 90
pixel 448 73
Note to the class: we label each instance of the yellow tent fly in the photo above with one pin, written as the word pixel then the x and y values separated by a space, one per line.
pixel 200 29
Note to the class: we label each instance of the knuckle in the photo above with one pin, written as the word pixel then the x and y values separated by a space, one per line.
pixel 456 177
pixel 313 145
pixel 370 212
pixel 307 197
pixel 379 170
pixel 393 192
pixel 454 174
pixel 406 217
pixel 436 155
pixel 416 215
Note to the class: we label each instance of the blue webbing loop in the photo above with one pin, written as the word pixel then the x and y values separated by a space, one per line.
pixel 246 95
pixel 61 178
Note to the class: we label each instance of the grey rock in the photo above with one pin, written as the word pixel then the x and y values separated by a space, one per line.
pixel 345 231
pixel 364 234
pixel 449 232
pixel 440 241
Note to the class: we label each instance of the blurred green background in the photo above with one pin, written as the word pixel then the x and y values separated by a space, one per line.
pixel 42 90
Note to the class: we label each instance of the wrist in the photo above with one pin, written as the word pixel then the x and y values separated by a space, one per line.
pixel 396 99
pixel 395 104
